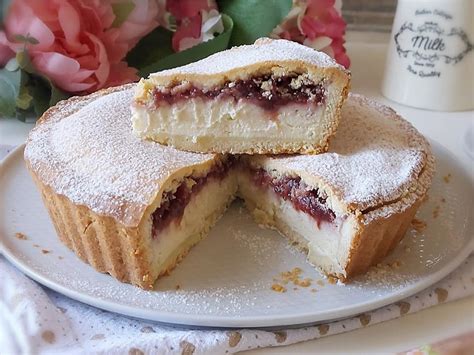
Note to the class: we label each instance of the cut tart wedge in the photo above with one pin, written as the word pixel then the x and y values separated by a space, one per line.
pixel 133 208
pixel 274 96
pixel 349 207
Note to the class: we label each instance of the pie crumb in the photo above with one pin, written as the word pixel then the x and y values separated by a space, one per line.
pixel 418 224
pixel 304 283
pixel 45 251
pixel 278 288
pixel 21 236
pixel 332 280
pixel 293 276
pixel 396 264
pixel 447 178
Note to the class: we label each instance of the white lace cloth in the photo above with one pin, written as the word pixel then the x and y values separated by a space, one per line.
pixel 34 319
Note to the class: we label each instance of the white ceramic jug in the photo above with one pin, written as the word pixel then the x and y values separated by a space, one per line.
pixel 430 60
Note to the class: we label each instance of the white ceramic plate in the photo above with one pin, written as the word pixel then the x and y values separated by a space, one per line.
pixel 226 280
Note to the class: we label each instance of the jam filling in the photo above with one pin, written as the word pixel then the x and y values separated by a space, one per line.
pixel 267 91
pixel 296 191
pixel 173 203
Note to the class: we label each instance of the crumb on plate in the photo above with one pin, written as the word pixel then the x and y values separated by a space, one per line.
pixel 278 288
pixel 418 224
pixel 20 236
pixel 447 178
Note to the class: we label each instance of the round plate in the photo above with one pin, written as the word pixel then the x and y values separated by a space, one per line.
pixel 226 280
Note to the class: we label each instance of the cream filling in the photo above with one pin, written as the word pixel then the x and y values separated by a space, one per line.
pixel 199 215
pixel 218 118
pixel 328 244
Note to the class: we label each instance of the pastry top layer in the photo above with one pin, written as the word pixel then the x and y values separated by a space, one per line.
pixel 242 61
pixel 377 162
pixel 84 148
pixel 264 50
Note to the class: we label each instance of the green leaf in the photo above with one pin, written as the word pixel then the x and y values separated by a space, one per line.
pixel 190 55
pixel 24 99
pixel 56 94
pixel 9 89
pixel 254 18
pixel 4 5
pixel 37 92
pixel 151 48
pixel 40 89
pixel 121 11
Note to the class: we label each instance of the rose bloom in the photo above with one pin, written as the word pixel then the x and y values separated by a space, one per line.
pixel 196 20
pixel 78 47
pixel 317 24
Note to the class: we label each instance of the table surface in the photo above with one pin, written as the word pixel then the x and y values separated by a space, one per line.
pixel 367 52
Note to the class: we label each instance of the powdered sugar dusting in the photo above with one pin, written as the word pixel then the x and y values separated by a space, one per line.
pixel 94 159
pixel 376 157
pixel 263 51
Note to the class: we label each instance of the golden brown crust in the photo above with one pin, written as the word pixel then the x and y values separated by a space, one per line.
pixel 251 146
pixel 376 240
pixel 101 241
pixel 238 62
pixel 165 79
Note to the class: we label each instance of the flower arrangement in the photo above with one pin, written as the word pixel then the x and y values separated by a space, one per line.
pixel 53 49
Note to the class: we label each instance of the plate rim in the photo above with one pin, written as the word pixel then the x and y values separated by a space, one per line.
pixel 262 321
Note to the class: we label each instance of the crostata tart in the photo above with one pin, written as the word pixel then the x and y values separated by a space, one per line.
pixel 133 208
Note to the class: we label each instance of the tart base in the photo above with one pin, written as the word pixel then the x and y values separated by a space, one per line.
pixel 233 145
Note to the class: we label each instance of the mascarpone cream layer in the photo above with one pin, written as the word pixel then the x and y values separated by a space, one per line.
pixel 227 118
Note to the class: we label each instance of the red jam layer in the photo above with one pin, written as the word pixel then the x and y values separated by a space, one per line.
pixel 172 209
pixel 270 93
pixel 294 190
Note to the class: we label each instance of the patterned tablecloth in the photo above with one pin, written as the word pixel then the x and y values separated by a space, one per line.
pixel 35 319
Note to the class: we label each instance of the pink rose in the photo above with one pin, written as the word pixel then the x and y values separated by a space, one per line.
pixel 141 20
pixel 194 19
pixel 317 24
pixel 78 49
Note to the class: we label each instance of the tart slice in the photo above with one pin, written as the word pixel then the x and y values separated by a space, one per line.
pixel 349 207
pixel 274 96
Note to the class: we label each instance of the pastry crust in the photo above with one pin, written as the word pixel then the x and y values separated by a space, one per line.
pixel 242 61
pixel 100 189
